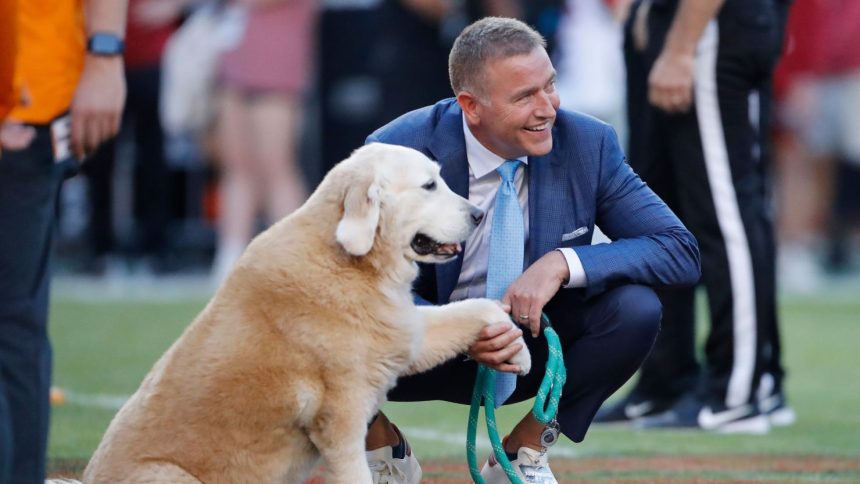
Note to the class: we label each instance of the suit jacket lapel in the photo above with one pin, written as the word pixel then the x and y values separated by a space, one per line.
pixel 448 147
pixel 548 185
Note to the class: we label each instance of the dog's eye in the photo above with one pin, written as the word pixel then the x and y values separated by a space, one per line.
pixel 429 186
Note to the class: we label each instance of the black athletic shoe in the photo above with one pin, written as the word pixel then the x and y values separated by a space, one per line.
pixel 690 412
pixel 684 413
pixel 630 408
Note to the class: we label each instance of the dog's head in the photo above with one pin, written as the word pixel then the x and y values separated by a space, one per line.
pixel 397 197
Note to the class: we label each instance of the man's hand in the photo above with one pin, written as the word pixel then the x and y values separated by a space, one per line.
pixel 496 345
pixel 670 84
pixel 16 136
pixel 535 287
pixel 97 105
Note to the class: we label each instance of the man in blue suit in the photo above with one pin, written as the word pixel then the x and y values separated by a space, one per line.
pixel 570 175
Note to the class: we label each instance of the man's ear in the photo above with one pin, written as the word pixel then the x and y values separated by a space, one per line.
pixel 469 104
pixel 357 228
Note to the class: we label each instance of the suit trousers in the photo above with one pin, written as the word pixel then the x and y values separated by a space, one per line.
pixel 710 166
pixel 604 340
pixel 29 186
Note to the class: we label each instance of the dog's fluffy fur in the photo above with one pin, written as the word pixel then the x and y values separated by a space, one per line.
pixel 297 350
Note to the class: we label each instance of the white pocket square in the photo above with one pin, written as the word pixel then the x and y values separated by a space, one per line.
pixel 572 235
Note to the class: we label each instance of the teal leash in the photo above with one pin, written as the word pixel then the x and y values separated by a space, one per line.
pixel 544 410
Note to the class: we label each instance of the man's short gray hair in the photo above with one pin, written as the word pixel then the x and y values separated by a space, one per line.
pixel 488 39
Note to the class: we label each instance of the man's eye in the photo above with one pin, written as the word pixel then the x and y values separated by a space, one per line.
pixel 429 186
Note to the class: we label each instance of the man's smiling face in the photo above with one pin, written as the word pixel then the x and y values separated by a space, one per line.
pixel 515 110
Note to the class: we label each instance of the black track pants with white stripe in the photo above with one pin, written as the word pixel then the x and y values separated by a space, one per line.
pixel 709 165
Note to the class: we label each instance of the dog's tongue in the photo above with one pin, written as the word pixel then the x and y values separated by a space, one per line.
pixel 450 248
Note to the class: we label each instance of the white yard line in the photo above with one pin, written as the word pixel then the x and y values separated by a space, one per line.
pixel 113 289
pixel 95 400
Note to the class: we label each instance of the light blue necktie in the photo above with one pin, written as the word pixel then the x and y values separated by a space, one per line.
pixel 507 247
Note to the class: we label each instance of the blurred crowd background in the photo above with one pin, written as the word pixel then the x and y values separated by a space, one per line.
pixel 236 110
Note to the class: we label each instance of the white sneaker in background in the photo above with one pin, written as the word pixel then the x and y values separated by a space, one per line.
pixel 225 258
pixel 798 270
pixel 773 404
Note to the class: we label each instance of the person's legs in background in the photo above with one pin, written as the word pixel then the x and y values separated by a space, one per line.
pixel 672 368
pixel 717 152
pixel 258 137
pixel 99 171
pixel 274 127
pixel 7 450
pixel 29 186
pixel 152 180
pixel 238 190
pixel 845 208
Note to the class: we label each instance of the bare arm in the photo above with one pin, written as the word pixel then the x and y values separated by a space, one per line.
pixel 100 95
pixel 670 84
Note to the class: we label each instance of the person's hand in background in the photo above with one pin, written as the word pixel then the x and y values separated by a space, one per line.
pixel 670 84
pixel 97 106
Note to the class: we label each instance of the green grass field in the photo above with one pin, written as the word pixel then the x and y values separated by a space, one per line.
pixel 104 348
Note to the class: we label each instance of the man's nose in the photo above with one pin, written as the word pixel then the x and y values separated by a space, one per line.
pixel 546 108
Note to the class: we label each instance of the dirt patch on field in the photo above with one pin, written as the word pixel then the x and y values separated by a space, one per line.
pixel 685 469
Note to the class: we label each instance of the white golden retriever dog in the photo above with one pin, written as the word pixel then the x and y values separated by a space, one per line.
pixel 297 350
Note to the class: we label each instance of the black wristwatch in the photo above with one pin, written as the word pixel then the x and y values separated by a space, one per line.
pixel 105 44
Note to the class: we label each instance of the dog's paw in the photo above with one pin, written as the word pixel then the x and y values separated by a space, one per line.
pixel 523 358
pixel 486 311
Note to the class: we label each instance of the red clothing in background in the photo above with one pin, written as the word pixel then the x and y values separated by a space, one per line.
pixel 822 38
pixel 276 50
pixel 838 50
pixel 144 44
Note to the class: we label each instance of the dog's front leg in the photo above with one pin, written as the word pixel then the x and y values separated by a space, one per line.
pixel 451 329
pixel 339 430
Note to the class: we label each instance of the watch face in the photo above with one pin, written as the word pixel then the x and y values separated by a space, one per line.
pixel 549 437
pixel 105 44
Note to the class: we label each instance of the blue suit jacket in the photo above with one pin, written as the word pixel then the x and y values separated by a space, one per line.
pixel 583 181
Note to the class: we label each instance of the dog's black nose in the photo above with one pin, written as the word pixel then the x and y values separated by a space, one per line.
pixel 477 215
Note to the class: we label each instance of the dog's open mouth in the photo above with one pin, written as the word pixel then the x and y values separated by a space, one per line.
pixel 424 245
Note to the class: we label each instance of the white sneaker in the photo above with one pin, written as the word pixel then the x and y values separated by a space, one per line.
pixel 388 469
pixel 531 466
pixel 745 419
pixel 773 403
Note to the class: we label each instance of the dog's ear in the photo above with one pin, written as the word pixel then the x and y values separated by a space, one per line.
pixel 357 229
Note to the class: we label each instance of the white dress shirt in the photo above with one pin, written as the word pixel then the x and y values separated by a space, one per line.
pixel 484 182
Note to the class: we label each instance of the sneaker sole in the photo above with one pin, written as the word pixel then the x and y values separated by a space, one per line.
pixel 758 425
pixel 782 417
